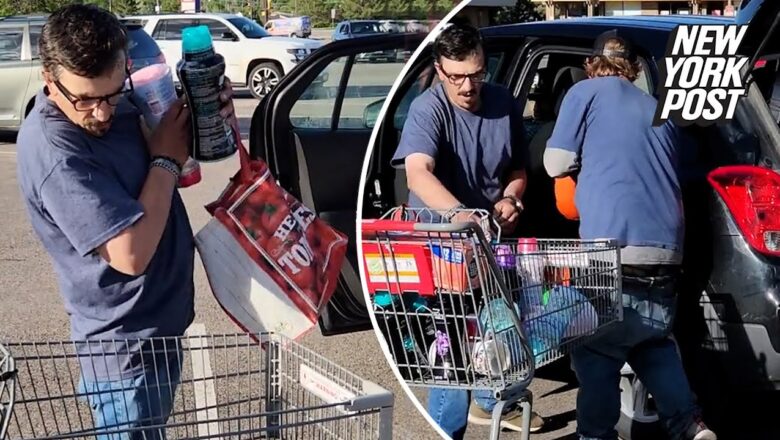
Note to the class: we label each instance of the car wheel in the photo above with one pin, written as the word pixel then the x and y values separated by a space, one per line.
pixel 638 417
pixel 263 78
pixel 293 35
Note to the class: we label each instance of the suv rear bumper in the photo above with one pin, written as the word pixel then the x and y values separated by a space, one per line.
pixel 750 360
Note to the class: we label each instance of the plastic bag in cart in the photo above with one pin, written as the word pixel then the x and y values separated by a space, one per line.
pixel 272 263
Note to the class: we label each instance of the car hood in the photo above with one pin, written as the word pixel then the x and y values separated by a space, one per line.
pixel 287 42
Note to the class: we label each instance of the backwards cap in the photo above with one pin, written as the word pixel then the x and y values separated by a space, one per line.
pixel 599 47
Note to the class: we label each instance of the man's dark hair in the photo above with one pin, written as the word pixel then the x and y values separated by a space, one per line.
pixel 84 39
pixel 457 42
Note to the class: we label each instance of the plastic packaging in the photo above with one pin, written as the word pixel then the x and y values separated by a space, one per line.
pixel 530 269
pixel 201 72
pixel 154 93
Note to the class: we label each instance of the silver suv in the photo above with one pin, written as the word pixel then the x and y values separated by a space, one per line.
pixel 20 73
pixel 20 67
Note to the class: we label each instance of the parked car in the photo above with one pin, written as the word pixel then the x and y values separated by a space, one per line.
pixel 728 323
pixel 20 67
pixel 254 58
pixel 294 27
pixel 392 26
pixel 363 28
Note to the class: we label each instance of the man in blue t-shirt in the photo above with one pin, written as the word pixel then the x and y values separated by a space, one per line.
pixel 101 196
pixel 463 147
pixel 628 190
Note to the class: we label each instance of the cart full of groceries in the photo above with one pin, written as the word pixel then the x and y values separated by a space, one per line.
pixel 460 306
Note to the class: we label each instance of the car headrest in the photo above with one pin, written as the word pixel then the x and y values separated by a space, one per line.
pixel 564 80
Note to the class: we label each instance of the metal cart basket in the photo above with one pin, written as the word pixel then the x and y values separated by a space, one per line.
pixel 231 387
pixel 461 307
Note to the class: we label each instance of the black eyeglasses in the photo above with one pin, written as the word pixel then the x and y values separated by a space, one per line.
pixel 87 104
pixel 458 79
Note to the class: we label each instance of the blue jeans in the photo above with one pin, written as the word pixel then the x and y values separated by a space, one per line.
pixel 642 340
pixel 121 408
pixel 449 408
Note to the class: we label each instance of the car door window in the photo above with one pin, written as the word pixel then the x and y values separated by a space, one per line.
pixel 216 29
pixel 11 44
pixel 35 35
pixel 370 80
pixel 171 29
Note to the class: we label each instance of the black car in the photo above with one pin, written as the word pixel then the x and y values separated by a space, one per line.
pixel 728 325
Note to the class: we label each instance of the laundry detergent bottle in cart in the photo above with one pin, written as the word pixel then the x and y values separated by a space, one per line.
pixel 154 94
pixel 201 72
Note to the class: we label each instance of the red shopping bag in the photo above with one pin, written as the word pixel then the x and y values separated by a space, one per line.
pixel 271 262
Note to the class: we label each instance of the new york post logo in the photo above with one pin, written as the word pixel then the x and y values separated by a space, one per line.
pixel 700 76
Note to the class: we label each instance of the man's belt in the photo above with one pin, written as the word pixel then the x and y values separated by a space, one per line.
pixel 655 270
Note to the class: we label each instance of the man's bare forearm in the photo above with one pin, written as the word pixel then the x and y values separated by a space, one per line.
pixel 516 184
pixel 131 251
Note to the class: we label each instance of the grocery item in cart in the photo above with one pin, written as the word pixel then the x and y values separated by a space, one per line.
pixel 530 269
pixel 404 335
pixel 454 267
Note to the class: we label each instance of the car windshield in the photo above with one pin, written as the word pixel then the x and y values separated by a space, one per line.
pixel 248 27
pixel 365 28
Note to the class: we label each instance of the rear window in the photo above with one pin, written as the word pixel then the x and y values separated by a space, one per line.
pixel 141 45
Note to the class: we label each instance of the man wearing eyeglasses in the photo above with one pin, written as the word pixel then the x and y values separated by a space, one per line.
pixel 101 195
pixel 463 148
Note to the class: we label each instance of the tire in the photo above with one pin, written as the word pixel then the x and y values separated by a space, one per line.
pixel 293 35
pixel 263 78
pixel 638 419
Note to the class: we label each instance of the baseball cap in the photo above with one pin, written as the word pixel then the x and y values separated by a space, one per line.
pixel 599 47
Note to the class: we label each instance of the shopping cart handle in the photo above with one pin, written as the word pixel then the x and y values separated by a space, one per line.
pixel 408 226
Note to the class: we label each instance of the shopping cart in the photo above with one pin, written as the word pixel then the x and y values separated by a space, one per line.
pixel 232 387
pixel 461 307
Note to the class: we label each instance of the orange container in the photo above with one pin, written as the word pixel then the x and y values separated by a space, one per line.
pixel 454 268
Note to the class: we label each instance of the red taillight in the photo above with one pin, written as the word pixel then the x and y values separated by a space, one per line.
pixel 752 194
pixel 760 64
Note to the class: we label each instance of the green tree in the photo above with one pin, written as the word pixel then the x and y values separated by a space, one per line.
pixel 125 7
pixel 170 5
pixel 399 9
pixel 354 9
pixel 317 10
pixel 146 6
pixel 523 11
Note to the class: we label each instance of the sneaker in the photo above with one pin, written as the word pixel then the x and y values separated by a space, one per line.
pixel 513 420
pixel 699 431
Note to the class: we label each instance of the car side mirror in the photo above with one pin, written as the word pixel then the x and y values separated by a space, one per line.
pixel 371 113
pixel 229 36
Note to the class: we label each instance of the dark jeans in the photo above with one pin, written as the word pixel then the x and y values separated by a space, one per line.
pixel 642 340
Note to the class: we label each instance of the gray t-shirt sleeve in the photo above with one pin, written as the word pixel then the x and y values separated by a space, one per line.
pixel 421 133
pixel 564 147
pixel 87 204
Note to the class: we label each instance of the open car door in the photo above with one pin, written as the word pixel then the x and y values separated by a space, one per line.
pixel 313 129
pixel 762 39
